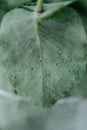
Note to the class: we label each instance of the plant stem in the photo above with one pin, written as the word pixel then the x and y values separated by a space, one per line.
pixel 39 7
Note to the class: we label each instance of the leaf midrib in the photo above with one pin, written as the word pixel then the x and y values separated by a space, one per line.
pixel 41 51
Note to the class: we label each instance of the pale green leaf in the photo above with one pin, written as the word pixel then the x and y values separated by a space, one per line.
pixel 51 9
pixel 15 112
pixel 67 114
pixel 44 59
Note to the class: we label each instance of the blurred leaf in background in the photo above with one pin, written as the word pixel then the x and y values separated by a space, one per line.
pixel 14 3
pixel 66 114
pixel 16 112
pixel 81 8
pixel 3 9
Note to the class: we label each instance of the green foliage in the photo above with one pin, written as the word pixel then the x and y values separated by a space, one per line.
pixel 42 64
pixel 43 49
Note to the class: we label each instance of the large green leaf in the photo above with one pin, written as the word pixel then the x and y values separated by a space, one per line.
pixel 43 54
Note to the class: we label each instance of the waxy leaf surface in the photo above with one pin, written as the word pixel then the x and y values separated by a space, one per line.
pixel 43 53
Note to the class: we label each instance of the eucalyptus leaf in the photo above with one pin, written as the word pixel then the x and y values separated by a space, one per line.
pixel 66 114
pixel 15 112
pixel 63 115
pixel 51 9
pixel 44 56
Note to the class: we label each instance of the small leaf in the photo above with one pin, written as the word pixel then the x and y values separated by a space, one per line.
pixel 51 9
pixel 43 56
